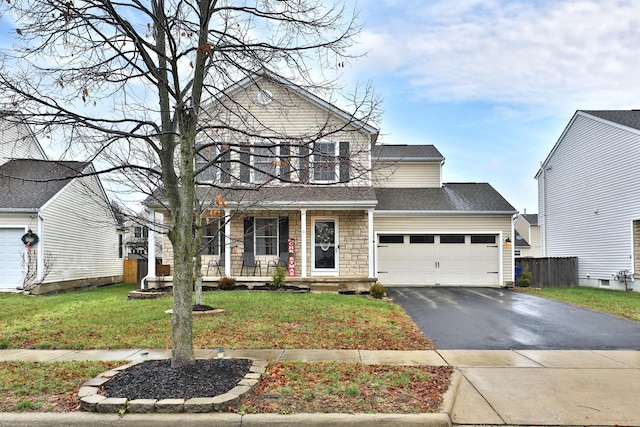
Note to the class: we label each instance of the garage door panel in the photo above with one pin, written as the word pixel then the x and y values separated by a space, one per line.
pixel 11 250
pixel 445 264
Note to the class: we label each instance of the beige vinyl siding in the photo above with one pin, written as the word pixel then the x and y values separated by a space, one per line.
pixel 407 175
pixel 80 233
pixel 16 142
pixel 290 117
pixel 591 183
pixel 19 220
pixel 442 224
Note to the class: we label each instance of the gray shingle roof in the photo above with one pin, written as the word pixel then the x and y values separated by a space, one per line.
pixel 29 184
pixel 532 219
pixel 406 152
pixel 630 118
pixel 285 196
pixel 453 197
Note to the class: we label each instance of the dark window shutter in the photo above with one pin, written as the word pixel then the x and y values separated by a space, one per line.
pixel 283 224
pixel 344 161
pixel 225 167
pixel 245 162
pixel 248 234
pixel 285 162
pixel 304 164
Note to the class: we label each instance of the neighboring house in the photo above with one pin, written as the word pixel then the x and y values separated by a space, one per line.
pixel 527 243
pixel 350 212
pixel 17 140
pixel 588 197
pixel 136 237
pixel 68 214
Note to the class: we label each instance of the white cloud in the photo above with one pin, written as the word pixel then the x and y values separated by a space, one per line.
pixel 577 53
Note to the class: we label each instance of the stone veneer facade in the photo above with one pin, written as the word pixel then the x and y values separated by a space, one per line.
pixel 352 235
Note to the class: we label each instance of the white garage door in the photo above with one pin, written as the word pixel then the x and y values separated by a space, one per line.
pixel 445 260
pixel 11 249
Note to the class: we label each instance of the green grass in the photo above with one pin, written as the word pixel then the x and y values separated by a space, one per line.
pixel 45 386
pixel 618 303
pixel 104 318
pixel 289 387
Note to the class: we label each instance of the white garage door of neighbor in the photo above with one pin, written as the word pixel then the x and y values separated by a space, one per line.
pixel 445 260
pixel 11 250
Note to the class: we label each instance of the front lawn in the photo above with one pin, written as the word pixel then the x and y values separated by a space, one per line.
pixel 618 303
pixel 104 318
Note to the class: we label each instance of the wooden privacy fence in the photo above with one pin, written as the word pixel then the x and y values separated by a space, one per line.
pixel 134 270
pixel 551 272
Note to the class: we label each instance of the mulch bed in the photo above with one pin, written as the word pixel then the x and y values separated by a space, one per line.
pixel 156 379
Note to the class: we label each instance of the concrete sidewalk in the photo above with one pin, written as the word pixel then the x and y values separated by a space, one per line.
pixel 511 387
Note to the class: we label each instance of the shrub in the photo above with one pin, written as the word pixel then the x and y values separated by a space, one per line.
pixel 526 277
pixel 378 291
pixel 226 283
pixel 278 277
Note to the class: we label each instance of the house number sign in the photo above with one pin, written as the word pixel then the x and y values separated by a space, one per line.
pixel 291 262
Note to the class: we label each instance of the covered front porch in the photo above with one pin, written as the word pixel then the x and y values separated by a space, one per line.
pixel 325 245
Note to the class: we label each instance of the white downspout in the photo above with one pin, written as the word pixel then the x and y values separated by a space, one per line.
pixel 40 259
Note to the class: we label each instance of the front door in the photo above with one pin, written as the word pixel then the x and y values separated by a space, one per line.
pixel 325 247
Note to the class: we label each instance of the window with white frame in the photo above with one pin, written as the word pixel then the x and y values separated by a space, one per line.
pixel 210 237
pixel 204 155
pixel 266 236
pixel 324 162
pixel 264 161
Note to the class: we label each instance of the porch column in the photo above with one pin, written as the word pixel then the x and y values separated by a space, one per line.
pixel 227 243
pixel 151 243
pixel 303 237
pixel 40 252
pixel 372 243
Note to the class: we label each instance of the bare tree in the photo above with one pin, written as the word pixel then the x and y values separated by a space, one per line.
pixel 124 83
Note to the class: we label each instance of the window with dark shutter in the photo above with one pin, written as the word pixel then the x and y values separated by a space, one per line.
pixel 248 234
pixel 285 162
pixel 304 164
pixel 245 162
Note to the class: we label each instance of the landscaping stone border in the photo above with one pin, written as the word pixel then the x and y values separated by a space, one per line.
pixel 92 401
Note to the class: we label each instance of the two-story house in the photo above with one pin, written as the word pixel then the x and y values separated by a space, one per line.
pixel 307 183
pixel 47 242
pixel 527 242
pixel 588 197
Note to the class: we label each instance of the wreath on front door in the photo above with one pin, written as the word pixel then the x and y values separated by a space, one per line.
pixel 324 236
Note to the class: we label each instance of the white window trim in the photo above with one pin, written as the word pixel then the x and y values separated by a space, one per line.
pixel 255 235
pixel 336 167
pixel 275 160
pixel 212 154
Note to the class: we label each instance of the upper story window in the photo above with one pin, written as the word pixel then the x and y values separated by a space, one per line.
pixel 325 162
pixel 265 163
pixel 220 169
pixel 140 231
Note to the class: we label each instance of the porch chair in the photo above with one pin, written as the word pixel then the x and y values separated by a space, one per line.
pixel 218 264
pixel 282 261
pixel 249 261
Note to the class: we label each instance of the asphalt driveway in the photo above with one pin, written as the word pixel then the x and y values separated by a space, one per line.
pixel 502 319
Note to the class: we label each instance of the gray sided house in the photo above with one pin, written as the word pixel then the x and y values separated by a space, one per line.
pixel 342 212
pixel 588 190
pixel 77 241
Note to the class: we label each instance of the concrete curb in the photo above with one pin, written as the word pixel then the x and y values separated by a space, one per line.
pixel 73 419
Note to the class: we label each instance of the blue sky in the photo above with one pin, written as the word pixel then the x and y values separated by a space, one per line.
pixel 492 84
